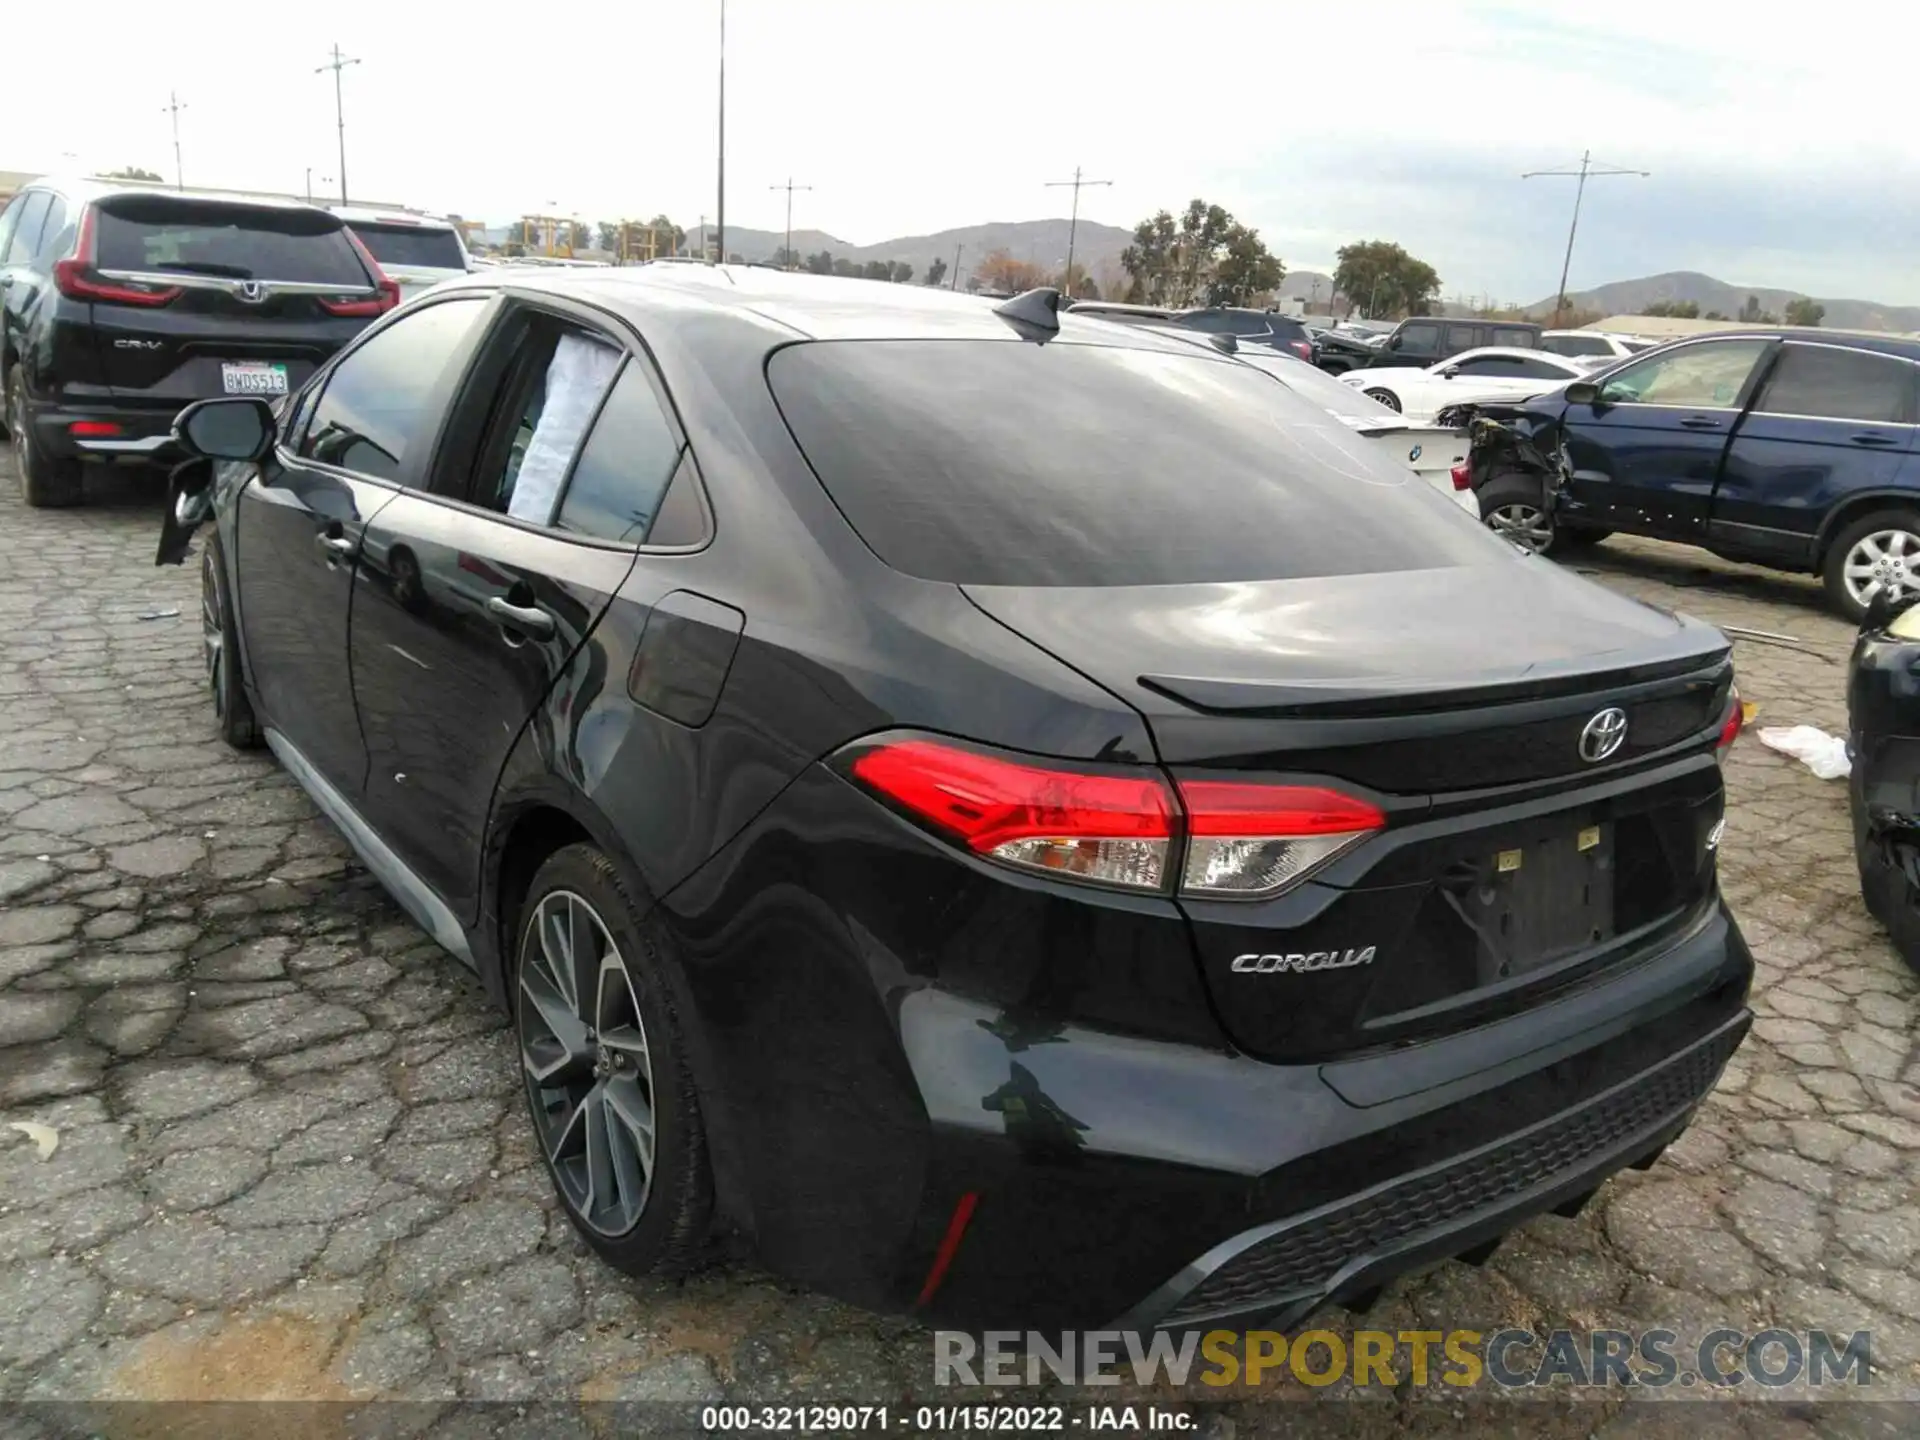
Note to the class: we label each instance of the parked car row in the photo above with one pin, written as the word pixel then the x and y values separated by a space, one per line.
pixel 1033 820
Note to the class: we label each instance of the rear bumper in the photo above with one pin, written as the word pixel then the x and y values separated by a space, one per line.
pixel 1177 1189
pixel 141 436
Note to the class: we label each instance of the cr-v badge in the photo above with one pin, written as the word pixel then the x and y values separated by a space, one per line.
pixel 1299 964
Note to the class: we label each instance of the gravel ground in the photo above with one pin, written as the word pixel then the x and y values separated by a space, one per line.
pixel 292 1163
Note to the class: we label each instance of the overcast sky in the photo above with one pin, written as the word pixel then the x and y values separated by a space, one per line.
pixel 1779 137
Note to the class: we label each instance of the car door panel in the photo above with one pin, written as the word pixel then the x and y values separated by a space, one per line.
pixel 298 531
pixel 1646 459
pixel 462 622
pixel 1830 422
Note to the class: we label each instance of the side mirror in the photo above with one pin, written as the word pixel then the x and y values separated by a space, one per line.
pixel 1450 372
pixel 1582 392
pixel 236 428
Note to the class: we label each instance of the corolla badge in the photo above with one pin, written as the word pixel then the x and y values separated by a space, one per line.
pixel 1300 963
pixel 1605 733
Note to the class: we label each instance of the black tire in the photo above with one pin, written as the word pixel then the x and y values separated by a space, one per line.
pixel 46 483
pixel 1834 565
pixel 1513 504
pixel 668 1237
pixel 220 648
pixel 1383 397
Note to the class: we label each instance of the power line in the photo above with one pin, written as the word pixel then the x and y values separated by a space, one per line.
pixel 720 217
pixel 174 106
pixel 1073 224
pixel 1588 170
pixel 338 63
pixel 789 187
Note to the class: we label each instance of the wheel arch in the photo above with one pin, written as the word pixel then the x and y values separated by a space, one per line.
pixel 1853 508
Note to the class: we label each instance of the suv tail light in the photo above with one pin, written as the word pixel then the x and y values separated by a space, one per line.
pixel 388 297
pixel 1302 348
pixel 1242 840
pixel 75 278
pixel 1462 475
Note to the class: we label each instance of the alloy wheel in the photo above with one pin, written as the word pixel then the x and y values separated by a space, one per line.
pixel 1527 526
pixel 1884 562
pixel 589 1073
pixel 1384 397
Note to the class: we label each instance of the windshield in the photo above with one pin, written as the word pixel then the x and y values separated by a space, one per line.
pixel 1006 463
pixel 424 247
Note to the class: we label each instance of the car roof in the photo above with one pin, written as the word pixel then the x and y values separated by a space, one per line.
pixel 1115 307
pixel 802 305
pixel 1517 352
pixel 353 213
pixel 87 188
pixel 1899 346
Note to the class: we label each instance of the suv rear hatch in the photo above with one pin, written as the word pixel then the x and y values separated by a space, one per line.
pixel 193 297
pixel 414 254
pixel 1440 818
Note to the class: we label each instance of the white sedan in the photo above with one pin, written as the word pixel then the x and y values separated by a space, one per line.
pixel 1492 373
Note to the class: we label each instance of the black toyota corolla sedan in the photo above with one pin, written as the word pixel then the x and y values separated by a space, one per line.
pixel 1023 817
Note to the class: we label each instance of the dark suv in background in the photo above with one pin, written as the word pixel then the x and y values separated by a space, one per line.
pixel 1429 339
pixel 122 304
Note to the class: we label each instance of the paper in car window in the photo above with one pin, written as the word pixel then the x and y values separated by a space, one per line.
pixel 577 377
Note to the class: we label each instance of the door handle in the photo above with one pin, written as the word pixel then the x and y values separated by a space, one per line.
pixel 529 620
pixel 334 547
pixel 1869 437
pixel 1699 422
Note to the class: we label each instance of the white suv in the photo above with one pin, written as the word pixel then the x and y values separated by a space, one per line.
pixel 1582 343
pixel 415 251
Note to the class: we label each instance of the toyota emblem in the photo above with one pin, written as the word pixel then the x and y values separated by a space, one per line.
pixel 1604 734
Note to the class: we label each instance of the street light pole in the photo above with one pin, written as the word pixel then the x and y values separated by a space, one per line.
pixel 1073 224
pixel 337 64
pixel 175 106
pixel 954 284
pixel 720 214
pixel 1588 170
pixel 787 249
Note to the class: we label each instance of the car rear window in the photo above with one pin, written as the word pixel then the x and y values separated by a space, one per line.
pixel 161 233
pixel 1007 463
pixel 427 247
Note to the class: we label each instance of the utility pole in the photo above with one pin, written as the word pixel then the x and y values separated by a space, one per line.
pixel 337 64
pixel 174 107
pixel 1073 224
pixel 954 284
pixel 720 219
pixel 789 187
pixel 1588 170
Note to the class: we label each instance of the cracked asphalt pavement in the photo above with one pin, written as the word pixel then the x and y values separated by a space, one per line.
pixel 292 1161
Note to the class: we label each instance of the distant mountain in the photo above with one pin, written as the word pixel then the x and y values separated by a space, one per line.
pixel 1631 297
pixel 1097 247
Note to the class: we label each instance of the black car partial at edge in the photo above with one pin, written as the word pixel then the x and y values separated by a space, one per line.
pixel 1883 739
pixel 1014 814
pixel 120 303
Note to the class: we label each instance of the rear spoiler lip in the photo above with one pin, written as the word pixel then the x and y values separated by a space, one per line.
pixel 1405 695
pixel 186 280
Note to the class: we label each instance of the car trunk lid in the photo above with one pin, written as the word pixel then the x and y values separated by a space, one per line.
pixel 1518 855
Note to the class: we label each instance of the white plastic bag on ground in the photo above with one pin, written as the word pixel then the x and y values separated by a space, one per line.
pixel 1824 754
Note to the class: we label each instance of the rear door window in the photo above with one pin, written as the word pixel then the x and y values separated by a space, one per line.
pixel 615 489
pixel 1576 345
pixel 1827 383
pixel 379 408
pixel 1463 337
pixel 425 247
pixel 56 233
pixel 1418 341
pixel 1006 463
pixel 1521 339
pixel 161 233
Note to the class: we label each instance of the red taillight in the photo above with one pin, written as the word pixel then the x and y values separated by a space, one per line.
pixel 74 277
pixel 1730 731
pixel 93 429
pixel 388 297
pixel 1303 348
pixel 1107 828
pixel 1462 476
pixel 1252 840
pixel 1244 840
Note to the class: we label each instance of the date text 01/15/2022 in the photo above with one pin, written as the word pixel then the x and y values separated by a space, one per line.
pixel 934 1419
